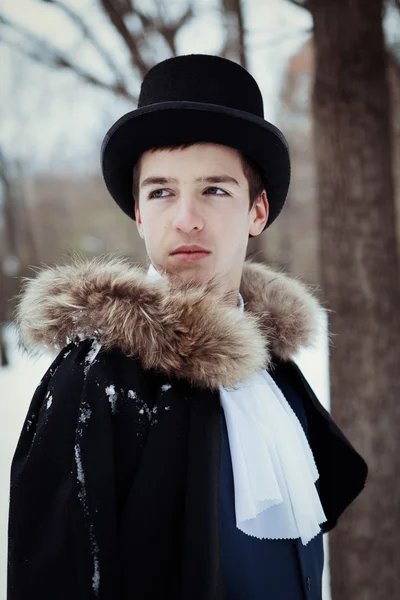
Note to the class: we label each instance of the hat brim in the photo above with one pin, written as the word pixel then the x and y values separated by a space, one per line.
pixel 181 122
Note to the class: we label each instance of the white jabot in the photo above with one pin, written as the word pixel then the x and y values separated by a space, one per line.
pixel 274 471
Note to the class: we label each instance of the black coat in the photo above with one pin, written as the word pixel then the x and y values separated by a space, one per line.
pixel 115 479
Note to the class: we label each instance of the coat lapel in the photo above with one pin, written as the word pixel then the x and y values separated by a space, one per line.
pixel 343 472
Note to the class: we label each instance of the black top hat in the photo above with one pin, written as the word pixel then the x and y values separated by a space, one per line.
pixel 197 97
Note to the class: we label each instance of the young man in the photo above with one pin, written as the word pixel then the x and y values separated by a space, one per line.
pixel 173 449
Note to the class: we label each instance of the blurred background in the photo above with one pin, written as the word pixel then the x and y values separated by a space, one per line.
pixel 329 72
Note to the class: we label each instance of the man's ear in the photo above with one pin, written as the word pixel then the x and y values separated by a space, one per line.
pixel 139 223
pixel 260 212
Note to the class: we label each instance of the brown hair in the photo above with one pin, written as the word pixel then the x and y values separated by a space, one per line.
pixel 251 171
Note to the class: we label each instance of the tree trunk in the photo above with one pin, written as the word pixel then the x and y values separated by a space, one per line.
pixel 235 49
pixel 4 361
pixel 360 281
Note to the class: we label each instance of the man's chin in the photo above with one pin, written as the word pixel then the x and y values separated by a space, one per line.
pixel 192 273
pixel 191 276
pixel 195 273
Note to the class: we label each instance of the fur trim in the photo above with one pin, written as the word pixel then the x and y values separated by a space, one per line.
pixel 179 329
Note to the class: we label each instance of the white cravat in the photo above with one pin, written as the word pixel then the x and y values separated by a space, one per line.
pixel 274 471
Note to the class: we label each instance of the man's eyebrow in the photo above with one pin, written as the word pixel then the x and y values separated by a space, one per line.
pixel 157 180
pixel 217 179
pixel 209 179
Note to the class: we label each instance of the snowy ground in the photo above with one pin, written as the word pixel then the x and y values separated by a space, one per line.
pixel 18 382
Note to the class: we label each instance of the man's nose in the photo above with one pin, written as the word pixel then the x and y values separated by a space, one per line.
pixel 187 215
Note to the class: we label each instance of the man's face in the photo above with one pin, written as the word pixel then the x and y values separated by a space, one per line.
pixel 198 195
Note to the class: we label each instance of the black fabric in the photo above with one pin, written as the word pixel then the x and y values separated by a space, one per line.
pixel 114 483
pixel 202 569
pixel 52 552
pixel 196 98
pixel 343 472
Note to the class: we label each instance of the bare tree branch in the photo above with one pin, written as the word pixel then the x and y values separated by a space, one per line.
pixel 187 15
pixel 242 32
pixel 170 30
pixel 118 22
pixel 7 206
pixel 234 46
pixel 47 54
pixel 88 34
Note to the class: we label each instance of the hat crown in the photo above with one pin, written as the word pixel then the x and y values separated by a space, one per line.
pixel 202 78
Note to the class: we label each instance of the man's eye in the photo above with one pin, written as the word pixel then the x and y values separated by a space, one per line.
pixel 155 193
pixel 216 188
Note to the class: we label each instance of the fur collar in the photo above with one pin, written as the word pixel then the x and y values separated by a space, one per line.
pixel 180 330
